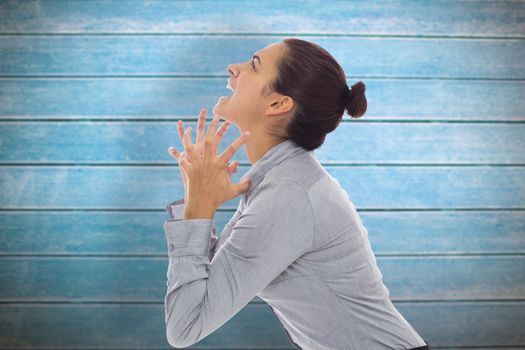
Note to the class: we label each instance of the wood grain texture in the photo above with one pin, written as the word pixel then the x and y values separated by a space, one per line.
pixel 369 187
pixel 429 18
pixel 133 232
pixel 140 279
pixel 199 55
pixel 350 143
pixel 174 98
pixel 493 325
pixel 90 92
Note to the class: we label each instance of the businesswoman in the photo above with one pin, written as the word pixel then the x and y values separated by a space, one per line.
pixel 296 239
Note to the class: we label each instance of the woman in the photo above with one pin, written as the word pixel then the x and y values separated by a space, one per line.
pixel 296 239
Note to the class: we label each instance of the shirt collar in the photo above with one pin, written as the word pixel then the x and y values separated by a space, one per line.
pixel 271 158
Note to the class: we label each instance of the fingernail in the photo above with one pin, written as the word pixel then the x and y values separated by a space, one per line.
pixel 247 133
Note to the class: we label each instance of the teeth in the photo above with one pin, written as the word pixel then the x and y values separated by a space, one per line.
pixel 229 87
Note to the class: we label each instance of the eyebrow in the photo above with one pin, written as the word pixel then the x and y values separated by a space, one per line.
pixel 258 58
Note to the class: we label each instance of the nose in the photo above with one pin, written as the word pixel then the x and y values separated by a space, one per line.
pixel 232 69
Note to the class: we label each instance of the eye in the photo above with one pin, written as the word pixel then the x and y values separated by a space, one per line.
pixel 253 64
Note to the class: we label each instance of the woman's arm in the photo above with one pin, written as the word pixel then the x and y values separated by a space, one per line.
pixel 275 228
pixel 175 210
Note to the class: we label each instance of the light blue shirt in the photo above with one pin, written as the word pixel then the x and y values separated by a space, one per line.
pixel 297 242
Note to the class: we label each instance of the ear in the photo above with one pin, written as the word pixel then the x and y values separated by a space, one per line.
pixel 280 105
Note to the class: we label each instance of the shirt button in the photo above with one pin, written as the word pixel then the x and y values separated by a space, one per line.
pixel 172 247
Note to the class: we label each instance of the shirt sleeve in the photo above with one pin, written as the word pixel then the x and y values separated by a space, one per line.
pixel 175 211
pixel 275 228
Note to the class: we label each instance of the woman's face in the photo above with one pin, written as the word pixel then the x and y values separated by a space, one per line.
pixel 246 108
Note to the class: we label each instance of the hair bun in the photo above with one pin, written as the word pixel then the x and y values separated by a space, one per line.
pixel 358 87
pixel 355 102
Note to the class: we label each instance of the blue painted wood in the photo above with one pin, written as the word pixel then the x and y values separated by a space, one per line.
pixel 153 98
pixel 142 279
pixel 138 233
pixel 135 326
pixel 462 18
pixel 188 55
pixel 444 324
pixel 422 62
pixel 388 142
pixel 467 324
pixel 442 232
pixel 369 187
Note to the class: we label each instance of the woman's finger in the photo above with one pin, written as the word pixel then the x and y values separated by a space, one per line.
pixel 188 145
pixel 183 156
pixel 220 134
pixel 209 141
pixel 173 152
pixel 180 127
pixel 200 125
pixel 185 165
pixel 233 168
pixel 234 147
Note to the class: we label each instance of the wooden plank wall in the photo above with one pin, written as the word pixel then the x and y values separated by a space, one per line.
pixel 90 92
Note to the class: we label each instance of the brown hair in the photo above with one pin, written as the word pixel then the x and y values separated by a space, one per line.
pixel 312 77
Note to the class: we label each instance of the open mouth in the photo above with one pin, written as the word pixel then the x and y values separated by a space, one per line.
pixel 228 86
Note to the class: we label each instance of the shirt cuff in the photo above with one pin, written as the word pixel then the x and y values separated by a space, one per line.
pixel 188 237
pixel 175 209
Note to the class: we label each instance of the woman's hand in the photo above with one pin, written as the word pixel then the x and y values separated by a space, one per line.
pixel 199 146
pixel 207 176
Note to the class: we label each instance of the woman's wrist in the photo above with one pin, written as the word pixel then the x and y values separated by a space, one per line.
pixel 194 210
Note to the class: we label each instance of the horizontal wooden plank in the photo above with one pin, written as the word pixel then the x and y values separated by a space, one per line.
pixel 152 98
pixel 144 278
pixel 389 142
pixel 369 187
pixel 140 233
pixel 190 56
pixel 489 324
pixel 474 324
pixel 472 18
pixel 126 326
pixel 445 232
